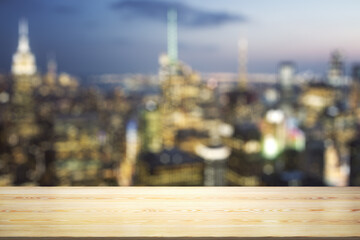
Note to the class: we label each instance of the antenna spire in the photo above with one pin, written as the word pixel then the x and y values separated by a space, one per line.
pixel 243 48
pixel 23 36
pixel 172 36
pixel 23 27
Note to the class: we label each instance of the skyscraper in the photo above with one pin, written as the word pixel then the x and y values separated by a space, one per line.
pixel 286 78
pixel 23 59
pixel 25 79
pixel 336 71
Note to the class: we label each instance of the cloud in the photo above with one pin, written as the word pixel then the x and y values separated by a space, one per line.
pixel 187 16
pixel 22 6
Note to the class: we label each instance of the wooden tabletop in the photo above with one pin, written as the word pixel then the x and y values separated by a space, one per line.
pixel 177 212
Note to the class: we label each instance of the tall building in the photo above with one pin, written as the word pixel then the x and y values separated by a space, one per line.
pixel 127 167
pixel 23 59
pixel 286 78
pixel 51 75
pixel 336 70
pixel 151 128
pixel 241 104
pixel 25 79
pixel 23 116
pixel 180 87
pixel 172 160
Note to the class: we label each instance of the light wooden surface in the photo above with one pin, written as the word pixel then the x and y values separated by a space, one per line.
pixel 179 212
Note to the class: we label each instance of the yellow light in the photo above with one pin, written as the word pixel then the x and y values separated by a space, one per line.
pixel 271 147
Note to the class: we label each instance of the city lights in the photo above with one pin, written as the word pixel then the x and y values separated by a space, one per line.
pixel 175 94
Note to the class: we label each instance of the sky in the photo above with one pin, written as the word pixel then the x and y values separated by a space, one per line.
pixel 127 36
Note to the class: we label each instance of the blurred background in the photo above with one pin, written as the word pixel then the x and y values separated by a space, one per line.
pixel 179 93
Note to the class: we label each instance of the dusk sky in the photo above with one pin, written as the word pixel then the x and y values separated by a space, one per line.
pixel 127 36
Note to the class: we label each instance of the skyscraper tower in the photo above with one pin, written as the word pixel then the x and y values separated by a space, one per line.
pixel 286 74
pixel 25 79
pixel 336 71
pixel 23 59
pixel 172 36
pixel 51 64
pixel 243 48
pixel 51 75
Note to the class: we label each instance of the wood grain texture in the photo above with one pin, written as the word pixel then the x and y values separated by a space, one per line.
pixel 179 212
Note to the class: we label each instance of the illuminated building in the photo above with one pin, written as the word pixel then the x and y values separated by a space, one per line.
pixel 288 135
pixel 75 145
pixel 339 124
pixel 295 138
pixel 271 97
pixel 274 133
pixel 127 166
pixel 51 75
pixel 180 87
pixel 25 80
pixel 60 133
pixel 336 71
pixel 91 140
pixel 151 128
pixel 328 119
pixel 318 96
pixel 215 156
pixel 242 105
pixel 315 98
pixel 271 147
pixel 340 129
pixel 7 140
pixel 281 138
pixel 170 167
pixel 286 80
pixel 215 164
pixel 282 119
pixel 245 162
pixel 23 59
pixel 173 129
pixel 242 109
pixel 334 169
pixel 181 91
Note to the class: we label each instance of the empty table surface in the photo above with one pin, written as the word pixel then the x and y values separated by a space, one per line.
pixel 177 212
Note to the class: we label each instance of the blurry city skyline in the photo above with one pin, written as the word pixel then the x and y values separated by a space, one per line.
pixel 127 36
pixel 140 92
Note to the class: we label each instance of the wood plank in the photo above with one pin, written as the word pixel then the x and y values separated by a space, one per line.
pixel 179 212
